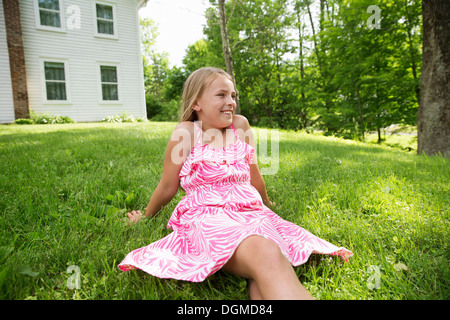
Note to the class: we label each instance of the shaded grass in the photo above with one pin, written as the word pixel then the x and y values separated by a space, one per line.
pixel 406 141
pixel 64 190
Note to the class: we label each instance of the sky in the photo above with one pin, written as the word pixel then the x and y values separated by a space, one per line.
pixel 180 23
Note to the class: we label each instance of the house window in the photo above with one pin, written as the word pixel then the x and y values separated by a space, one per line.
pixel 49 13
pixel 105 19
pixel 55 80
pixel 110 84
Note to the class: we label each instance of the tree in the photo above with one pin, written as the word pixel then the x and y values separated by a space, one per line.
pixel 296 68
pixel 156 64
pixel 162 84
pixel 363 76
pixel 226 47
pixel 433 118
pixel 199 55
pixel 224 36
pixel 258 40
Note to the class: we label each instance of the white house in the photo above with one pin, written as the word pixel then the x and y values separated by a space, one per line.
pixel 75 58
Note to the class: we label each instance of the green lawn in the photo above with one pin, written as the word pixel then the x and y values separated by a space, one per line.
pixel 64 190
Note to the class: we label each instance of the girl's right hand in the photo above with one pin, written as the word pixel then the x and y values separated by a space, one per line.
pixel 135 216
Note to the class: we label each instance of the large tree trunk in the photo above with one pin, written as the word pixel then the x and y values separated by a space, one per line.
pixel 226 47
pixel 433 118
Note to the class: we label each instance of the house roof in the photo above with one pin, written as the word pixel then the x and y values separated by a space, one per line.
pixel 142 3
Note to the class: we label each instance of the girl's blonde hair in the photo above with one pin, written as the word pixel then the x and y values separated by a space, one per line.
pixel 194 87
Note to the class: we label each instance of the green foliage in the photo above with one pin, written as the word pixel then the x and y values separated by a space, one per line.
pixel 23 121
pixel 37 118
pixel 64 191
pixel 199 55
pixel 342 76
pixel 153 104
pixel 50 119
pixel 367 82
pixel 123 117
pixel 173 85
pixel 259 36
pixel 163 85
pixel 170 111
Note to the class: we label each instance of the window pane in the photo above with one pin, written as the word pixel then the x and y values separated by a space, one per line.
pixel 110 92
pixel 56 91
pixel 49 18
pixel 104 11
pixel 106 27
pixel 49 4
pixel 54 71
pixel 108 73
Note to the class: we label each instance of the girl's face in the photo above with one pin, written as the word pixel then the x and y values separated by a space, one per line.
pixel 216 106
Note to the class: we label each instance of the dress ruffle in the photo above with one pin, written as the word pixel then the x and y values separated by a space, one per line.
pixel 204 153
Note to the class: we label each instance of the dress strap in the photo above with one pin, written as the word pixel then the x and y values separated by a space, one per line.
pixel 234 130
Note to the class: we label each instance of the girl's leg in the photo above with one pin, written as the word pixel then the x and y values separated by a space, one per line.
pixel 254 290
pixel 261 260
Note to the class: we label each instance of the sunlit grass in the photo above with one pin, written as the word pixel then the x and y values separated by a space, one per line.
pixel 64 190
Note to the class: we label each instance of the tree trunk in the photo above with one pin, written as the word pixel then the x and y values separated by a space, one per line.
pixel 316 50
pixel 300 52
pixel 433 117
pixel 358 98
pixel 302 113
pixel 361 120
pixel 409 28
pixel 226 47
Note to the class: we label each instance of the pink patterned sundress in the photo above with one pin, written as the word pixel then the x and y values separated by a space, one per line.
pixel 221 208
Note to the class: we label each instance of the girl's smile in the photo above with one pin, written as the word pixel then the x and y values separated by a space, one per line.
pixel 228 112
pixel 216 106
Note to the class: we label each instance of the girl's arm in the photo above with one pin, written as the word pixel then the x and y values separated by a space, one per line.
pixel 256 179
pixel 176 153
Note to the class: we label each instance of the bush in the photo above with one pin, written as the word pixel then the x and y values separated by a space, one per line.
pixel 169 112
pixel 50 119
pixel 44 119
pixel 153 104
pixel 124 117
pixel 23 121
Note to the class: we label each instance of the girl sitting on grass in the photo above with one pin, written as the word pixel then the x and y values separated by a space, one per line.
pixel 224 221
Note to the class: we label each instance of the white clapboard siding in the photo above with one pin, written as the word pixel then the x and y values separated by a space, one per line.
pixel 6 97
pixel 83 52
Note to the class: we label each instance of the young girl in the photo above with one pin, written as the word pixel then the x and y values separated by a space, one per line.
pixel 224 221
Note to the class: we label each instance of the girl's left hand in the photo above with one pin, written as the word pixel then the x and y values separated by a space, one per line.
pixel 270 204
pixel 135 216
pixel 273 205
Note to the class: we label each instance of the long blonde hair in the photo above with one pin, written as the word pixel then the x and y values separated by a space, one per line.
pixel 194 87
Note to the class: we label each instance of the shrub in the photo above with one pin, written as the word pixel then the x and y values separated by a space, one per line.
pixel 124 117
pixel 50 119
pixel 153 104
pixel 115 118
pixel 169 111
pixel 23 121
